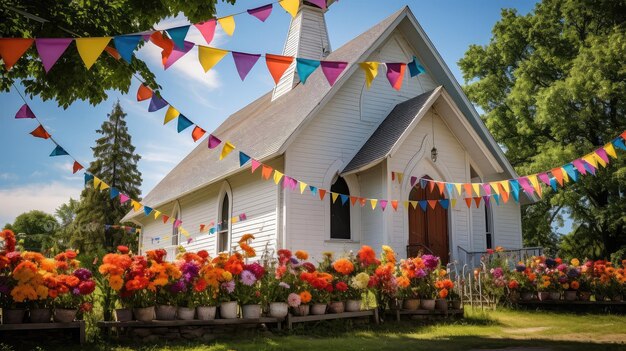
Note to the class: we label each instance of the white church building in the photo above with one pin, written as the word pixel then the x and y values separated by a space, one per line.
pixel 347 139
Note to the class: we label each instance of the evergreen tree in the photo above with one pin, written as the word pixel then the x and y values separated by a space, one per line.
pixel 115 162
pixel 552 84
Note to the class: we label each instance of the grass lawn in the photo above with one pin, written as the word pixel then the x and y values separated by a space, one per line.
pixel 502 329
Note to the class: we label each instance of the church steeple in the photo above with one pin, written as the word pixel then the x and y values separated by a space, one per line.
pixel 307 38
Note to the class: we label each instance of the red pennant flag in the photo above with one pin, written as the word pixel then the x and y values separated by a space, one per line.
pixel 394 204
pixel 432 203
pixel 362 201
pixel 40 132
pixel 77 167
pixel 11 49
pixel 202 228
pixel 165 218
pixel 277 65
pixel 322 193
pixel 393 176
pixel 164 43
pixel 477 201
pixel 468 201
pixel 353 200
pixel 558 174
pixel 431 186
pixel 144 93
pixel 441 186
pixel 197 133
pixel 113 52
pixel 207 29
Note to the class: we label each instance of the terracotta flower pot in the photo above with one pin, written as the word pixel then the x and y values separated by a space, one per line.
pixel 165 313
pixel 584 295
pixel 411 304
pixel 63 315
pixel 353 305
pixel 527 296
pixel 441 305
pixel 427 304
pixel 279 309
pixel 185 313
pixel 302 310
pixel 570 295
pixel 123 315
pixel 318 308
pixel 144 314
pixel 206 313
pixel 229 310
pixel 555 296
pixel 337 307
pixel 39 315
pixel 251 311
pixel 13 315
pixel 543 295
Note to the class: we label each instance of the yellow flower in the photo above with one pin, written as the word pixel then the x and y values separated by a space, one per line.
pixel 575 262
pixel 227 276
pixel 42 292
pixel 360 281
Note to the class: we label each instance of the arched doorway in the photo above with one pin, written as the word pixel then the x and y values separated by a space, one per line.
pixel 428 230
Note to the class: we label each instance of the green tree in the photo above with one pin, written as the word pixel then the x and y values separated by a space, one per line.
pixel 65 214
pixel 35 230
pixel 69 80
pixel 115 162
pixel 552 85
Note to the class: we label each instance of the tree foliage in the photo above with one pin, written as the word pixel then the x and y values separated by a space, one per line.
pixel 69 80
pixel 35 230
pixel 552 85
pixel 115 162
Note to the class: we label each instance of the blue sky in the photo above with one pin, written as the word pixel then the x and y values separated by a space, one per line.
pixel 29 179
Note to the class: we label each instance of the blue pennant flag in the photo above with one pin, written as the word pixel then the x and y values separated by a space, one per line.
pixel 313 190
pixel 415 68
pixel 58 151
pixel 113 193
pixel 444 203
pixel 88 177
pixel 147 210
pixel 305 67
pixel 344 198
pixel 126 45
pixel 243 158
pixel 156 103
pixel 107 227
pixel 178 35
pixel 619 143
pixel 515 187
pixel 553 183
pixel 450 189
pixel 497 198
pixel 423 204
pixel 423 183
pixel 183 123
pixel 571 171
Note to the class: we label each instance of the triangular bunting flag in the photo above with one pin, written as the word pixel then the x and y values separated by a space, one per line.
pixel 400 177
pixel 431 185
pixel 126 45
pixel 353 200
pixel 332 70
pixel 319 3
pixel 197 133
pixel 51 49
pixel 514 186
pixel 322 193
pixel 553 184
pixel 558 174
pixel 157 214
pixel 11 49
pixel 495 187
pixel 104 186
pixel 170 114
pixel 334 196
pixel 414 204
pixel 90 49
pixel 468 202
pixel 405 204
pixel 394 204
pixel 477 201
pixel 505 196
pixel 415 68
pixel 602 157
pixel 610 150
pixel 266 172
pixel 450 189
pixel 96 182
pixel 476 187
pixel 571 171
pixel 277 176
pixel 313 190
pixel 165 218
pixel 487 189
pixel 468 189
pixel 619 143
pixel 544 178
pixel 244 62
pixel 277 65
pixel 373 202
pixel 262 13
pixel 147 210
pixel 143 93
pixel 177 53
pixel 445 203
pixel 255 165
pixel 123 198
pixel 58 151
pixel 580 167
pixel 441 187
pixel 453 202
pixel 24 111
pixel 457 186
pixel 395 74
pixel 413 180
pixel 183 123
pixel 207 29
pixel 423 183
pixel 497 198
pixel 432 203
pixel 591 160
pixel 209 57
pixel 227 24
pixel 303 187
pixel 290 6
pixel 243 159
pixel 383 204
pixel 423 204
pixel 178 36
pixel 40 132
pixel 156 103
pixel 213 141
pixel 111 51
pixel 305 67
pixel 226 149
pixel 76 167
pixel 158 39
pixel 113 193
pixel 371 71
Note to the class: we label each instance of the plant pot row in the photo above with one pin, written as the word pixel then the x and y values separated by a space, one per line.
pixel 428 304
pixel 38 315
pixel 568 295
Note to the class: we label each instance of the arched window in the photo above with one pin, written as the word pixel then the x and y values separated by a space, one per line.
pixel 340 212
pixel 224 224
pixel 174 228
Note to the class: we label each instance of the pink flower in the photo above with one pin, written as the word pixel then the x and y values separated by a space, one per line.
pixel 293 300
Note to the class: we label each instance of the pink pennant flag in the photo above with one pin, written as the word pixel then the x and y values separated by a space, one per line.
pixel 580 166
pixel 383 204
pixel 177 223
pixel 602 153
pixel 286 182
pixel 214 142
pixel 255 164
pixel 25 112
pixel 51 49
pixel 123 198
pixel 528 188
pixel 244 62
pixel 544 178
pixel 319 3
pixel 262 13
pixel 207 29
pixel 332 70
pixel 487 188
pixel 395 74
pixel 177 54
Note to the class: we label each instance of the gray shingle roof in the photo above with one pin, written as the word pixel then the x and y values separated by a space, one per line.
pixel 388 132
pixel 261 128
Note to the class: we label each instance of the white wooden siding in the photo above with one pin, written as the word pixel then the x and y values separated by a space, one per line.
pixel 507 225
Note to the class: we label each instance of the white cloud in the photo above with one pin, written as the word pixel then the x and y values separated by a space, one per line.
pixel 8 176
pixel 42 196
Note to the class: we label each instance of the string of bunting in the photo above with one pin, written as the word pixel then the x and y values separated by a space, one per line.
pixel 171 40
pixel 209 229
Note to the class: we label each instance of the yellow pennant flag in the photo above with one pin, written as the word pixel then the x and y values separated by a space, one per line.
pixel 599 159
pixel 104 186
pixel 136 205
pixel 453 202
pixel 228 147
pixel 610 150
pixel 371 71
pixel 400 177
pixel 183 231
pixel 277 176
pixel 290 6
pixel 303 186
pixel 414 204
pixel 90 48
pixel 405 204
pixel 373 202
pixel 565 175
pixel 96 182
pixel 157 214
pixel 334 196
pixel 209 57
pixel 591 160
pixel 505 184
pixel 458 188
pixel 535 183
pixel 172 220
pixel 228 24
pixel 476 187
pixel 495 187
pixel 234 219
pixel 170 114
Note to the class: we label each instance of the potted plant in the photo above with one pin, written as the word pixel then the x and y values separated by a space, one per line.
pixel 12 311
pixel 188 285
pixel 356 290
pixel 114 271
pixel 138 291
pixel 321 287
pixel 75 286
pixel 443 286
pixel 247 291
pixel 300 306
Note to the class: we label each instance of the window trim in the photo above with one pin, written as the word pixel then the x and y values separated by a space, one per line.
pixel 225 190
pixel 177 213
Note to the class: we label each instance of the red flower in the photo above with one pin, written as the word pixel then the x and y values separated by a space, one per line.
pixel 87 287
pixel 490 251
pixel 86 306
pixel 203 253
pixel 123 249
pixel 341 286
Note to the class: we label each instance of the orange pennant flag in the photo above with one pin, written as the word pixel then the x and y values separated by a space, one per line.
pixel 143 93
pixel 114 53
pixel 505 196
pixel 394 204
pixel 431 186
pixel 77 167
pixel 468 189
pixel 11 49
pixel 40 132
pixel 432 203
pixel 441 187
pixel 277 65
pixel 322 193
pixel 362 201
pixel 468 201
pixel 353 200
pixel 266 172
pixel 197 133
pixel 558 174
pixel 477 201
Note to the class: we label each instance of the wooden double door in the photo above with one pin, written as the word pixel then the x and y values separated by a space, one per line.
pixel 428 229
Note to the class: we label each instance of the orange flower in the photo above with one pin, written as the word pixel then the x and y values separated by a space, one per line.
pixel 302 255
pixel 574 285
pixel 443 293
pixel 343 266
pixel 305 297
pixel 367 256
pixel 403 282
pixel 70 254
pixel 116 282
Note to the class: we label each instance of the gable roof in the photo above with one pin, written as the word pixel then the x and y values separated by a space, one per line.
pixel 379 145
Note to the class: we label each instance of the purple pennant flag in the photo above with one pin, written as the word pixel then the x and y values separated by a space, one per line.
pixel 177 54
pixel 156 103
pixel 25 112
pixel 262 13
pixel 413 180
pixel 242 217
pixel 332 70
pixel 50 50
pixel 544 178
pixel 580 166
pixel 486 199
pixel 214 141
pixel 602 153
pixel 319 3
pixel 589 167
pixel 244 62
